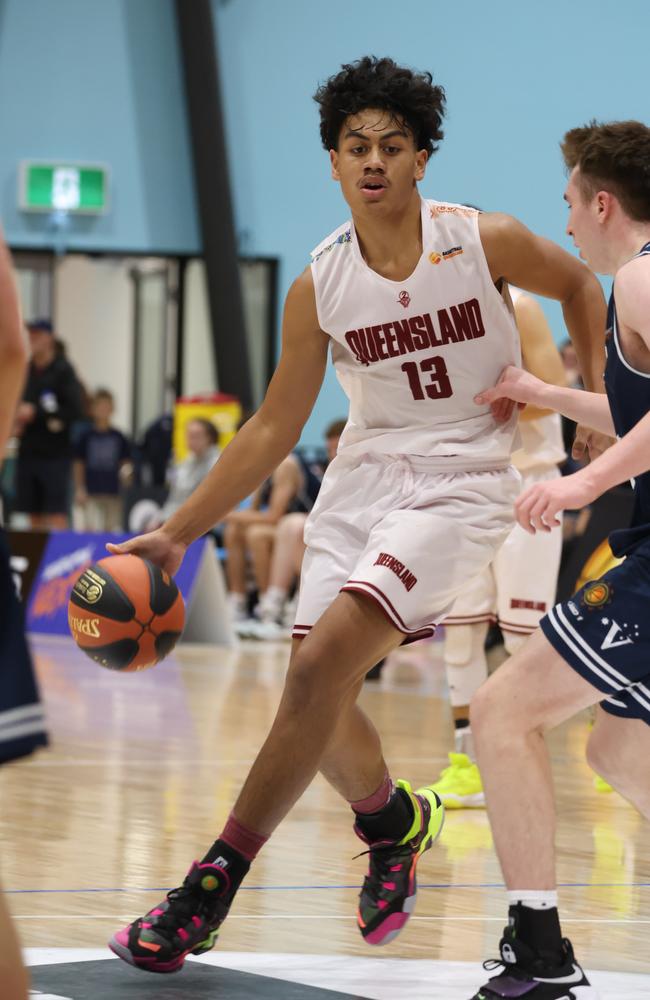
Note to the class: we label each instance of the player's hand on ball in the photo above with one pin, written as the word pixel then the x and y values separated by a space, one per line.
pixel 515 386
pixel 156 546
pixel 537 507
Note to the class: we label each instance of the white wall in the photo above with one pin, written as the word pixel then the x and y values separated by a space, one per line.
pixel 93 315
pixel 199 373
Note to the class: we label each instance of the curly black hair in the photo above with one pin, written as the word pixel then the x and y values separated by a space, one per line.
pixel 381 83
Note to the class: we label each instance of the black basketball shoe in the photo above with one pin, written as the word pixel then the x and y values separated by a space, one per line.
pixel 186 922
pixel 530 975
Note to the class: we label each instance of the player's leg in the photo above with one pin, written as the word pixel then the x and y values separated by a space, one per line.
pixel 13 975
pixel 533 692
pixel 397 823
pixel 322 682
pixel 619 749
pixel 459 785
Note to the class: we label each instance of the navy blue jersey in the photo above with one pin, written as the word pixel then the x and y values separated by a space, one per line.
pixel 628 392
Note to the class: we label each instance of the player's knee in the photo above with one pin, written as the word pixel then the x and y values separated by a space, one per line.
pixel 309 683
pixel 602 758
pixel 485 707
pixel 513 642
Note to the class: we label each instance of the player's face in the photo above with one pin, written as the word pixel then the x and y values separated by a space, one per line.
pixel 377 163
pixel 584 224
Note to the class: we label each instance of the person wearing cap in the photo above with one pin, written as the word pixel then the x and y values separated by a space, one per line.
pixel 51 402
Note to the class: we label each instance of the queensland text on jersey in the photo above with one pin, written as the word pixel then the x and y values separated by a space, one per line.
pixel 411 355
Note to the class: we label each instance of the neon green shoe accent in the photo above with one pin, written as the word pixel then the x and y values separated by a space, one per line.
pixel 460 786
pixel 206 945
pixel 601 785
pixel 436 818
pixel 414 829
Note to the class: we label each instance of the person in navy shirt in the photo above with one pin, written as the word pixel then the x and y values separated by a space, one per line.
pixel 101 465
pixel 593 649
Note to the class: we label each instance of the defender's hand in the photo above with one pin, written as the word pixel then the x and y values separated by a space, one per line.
pixel 538 506
pixel 515 386
pixel 157 547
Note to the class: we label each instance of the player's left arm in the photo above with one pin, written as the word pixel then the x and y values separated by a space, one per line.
pixel 539 354
pixel 537 507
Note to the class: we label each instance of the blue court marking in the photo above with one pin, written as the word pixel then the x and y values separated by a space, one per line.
pixel 312 888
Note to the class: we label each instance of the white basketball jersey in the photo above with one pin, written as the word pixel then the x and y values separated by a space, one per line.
pixel 411 355
pixel 541 444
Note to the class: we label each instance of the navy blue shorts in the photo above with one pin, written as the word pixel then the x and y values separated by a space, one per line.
pixel 22 722
pixel 603 632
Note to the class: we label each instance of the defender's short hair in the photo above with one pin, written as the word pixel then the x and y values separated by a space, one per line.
pixel 614 157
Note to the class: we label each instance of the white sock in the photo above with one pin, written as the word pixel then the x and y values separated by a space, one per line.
pixel 534 899
pixel 237 604
pixel 271 603
pixel 464 742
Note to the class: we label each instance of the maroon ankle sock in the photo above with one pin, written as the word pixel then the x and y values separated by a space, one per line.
pixel 246 842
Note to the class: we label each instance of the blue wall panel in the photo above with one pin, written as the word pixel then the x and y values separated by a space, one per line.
pixel 98 80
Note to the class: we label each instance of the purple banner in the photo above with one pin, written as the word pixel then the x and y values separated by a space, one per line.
pixel 66 554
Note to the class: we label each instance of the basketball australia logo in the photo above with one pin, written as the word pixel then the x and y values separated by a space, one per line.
pixel 90 587
pixel 404 299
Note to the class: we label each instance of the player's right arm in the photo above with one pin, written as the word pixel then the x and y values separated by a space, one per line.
pixel 13 349
pixel 588 408
pixel 261 444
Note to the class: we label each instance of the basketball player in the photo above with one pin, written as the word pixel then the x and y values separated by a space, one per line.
pixel 592 649
pixel 13 367
pixel 418 499
pixel 520 585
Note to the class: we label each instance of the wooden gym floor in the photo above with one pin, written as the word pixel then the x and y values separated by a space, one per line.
pixel 142 772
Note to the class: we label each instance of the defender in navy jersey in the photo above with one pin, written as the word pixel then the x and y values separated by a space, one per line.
pixel 594 648
pixel 410 293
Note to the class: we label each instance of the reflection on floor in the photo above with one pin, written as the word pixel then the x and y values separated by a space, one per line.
pixel 143 771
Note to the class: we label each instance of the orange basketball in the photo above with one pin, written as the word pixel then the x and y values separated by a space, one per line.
pixel 125 613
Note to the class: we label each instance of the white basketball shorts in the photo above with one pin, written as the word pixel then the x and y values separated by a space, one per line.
pixel 519 587
pixel 406 536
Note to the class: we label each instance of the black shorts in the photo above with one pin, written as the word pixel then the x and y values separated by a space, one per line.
pixel 43 485
pixel 22 725
pixel 603 632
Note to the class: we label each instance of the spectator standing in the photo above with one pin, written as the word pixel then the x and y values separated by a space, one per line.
pixel 102 463
pixel 51 403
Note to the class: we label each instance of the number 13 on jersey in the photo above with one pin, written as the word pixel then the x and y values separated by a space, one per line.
pixel 434 385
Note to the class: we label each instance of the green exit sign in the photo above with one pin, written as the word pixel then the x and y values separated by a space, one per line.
pixel 63 187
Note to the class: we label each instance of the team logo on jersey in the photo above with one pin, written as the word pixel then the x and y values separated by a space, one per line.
pixel 617 635
pixel 595 595
pixel 435 257
pixel 404 299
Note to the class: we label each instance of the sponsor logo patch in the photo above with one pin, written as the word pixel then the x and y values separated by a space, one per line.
pixel 90 586
pixel 596 595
